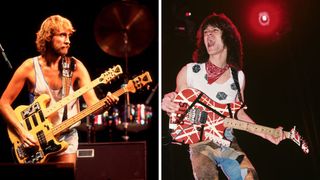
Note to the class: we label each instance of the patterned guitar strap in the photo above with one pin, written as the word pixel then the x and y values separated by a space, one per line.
pixel 236 81
pixel 68 66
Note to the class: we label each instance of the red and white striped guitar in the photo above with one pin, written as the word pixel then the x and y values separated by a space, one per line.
pixel 200 118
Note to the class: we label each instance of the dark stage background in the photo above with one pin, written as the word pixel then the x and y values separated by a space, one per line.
pixel 20 20
pixel 282 81
pixel 281 75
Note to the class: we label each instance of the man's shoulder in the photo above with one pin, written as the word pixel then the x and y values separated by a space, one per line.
pixel 195 67
pixel 28 63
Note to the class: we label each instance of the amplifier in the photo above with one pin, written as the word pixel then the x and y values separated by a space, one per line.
pixel 111 160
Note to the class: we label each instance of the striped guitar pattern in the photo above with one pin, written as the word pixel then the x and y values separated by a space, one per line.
pixel 200 118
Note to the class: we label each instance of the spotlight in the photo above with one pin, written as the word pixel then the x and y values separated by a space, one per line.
pixel 264 18
pixel 187 14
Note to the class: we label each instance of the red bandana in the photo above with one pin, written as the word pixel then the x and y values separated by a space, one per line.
pixel 214 72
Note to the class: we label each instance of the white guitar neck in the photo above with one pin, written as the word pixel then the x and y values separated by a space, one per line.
pixel 58 105
pixel 69 122
pixel 252 128
pixel 132 85
pixel 104 78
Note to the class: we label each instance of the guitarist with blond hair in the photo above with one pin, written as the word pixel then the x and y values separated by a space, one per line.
pixel 218 54
pixel 53 73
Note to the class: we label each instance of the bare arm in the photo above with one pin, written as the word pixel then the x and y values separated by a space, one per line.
pixel 181 83
pixel 18 80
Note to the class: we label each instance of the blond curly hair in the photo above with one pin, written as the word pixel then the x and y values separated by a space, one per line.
pixel 51 26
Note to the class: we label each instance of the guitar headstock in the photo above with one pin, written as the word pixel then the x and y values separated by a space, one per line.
pixel 138 82
pixel 110 74
pixel 297 138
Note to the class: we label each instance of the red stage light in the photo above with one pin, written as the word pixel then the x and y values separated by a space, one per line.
pixel 265 18
pixel 188 14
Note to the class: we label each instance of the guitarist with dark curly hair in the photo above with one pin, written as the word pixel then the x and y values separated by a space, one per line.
pixel 217 73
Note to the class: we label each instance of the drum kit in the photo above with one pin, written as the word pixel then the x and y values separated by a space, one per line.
pixel 122 29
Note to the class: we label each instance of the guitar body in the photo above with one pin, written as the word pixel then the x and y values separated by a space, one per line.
pixel 199 118
pixel 196 120
pixel 32 119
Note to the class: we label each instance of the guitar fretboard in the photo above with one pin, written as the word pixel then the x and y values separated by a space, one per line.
pixel 58 105
pixel 104 78
pixel 252 128
pixel 69 122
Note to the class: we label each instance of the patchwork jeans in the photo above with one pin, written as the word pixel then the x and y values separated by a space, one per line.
pixel 206 157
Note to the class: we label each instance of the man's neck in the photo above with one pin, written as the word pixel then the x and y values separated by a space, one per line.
pixel 219 59
pixel 51 61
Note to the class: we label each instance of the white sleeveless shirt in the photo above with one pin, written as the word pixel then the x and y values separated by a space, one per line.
pixel 42 87
pixel 224 93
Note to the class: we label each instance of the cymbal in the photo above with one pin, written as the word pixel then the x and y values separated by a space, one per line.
pixel 124 28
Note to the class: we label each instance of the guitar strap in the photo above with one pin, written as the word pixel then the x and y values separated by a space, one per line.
pixel 213 110
pixel 236 81
pixel 67 68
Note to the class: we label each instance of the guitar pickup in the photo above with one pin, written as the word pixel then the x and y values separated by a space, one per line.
pixel 194 115
pixel 30 110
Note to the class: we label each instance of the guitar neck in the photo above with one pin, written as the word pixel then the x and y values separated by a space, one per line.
pixel 252 128
pixel 69 122
pixel 58 105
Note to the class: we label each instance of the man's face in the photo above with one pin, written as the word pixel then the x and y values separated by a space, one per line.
pixel 61 42
pixel 212 40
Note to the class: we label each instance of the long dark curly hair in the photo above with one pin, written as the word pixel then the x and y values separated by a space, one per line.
pixel 230 37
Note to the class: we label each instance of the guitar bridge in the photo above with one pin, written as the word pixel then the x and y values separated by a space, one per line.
pixel 32 154
pixel 35 158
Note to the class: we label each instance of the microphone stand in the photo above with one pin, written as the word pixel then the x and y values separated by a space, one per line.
pixel 151 95
pixel 127 97
pixel 5 57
